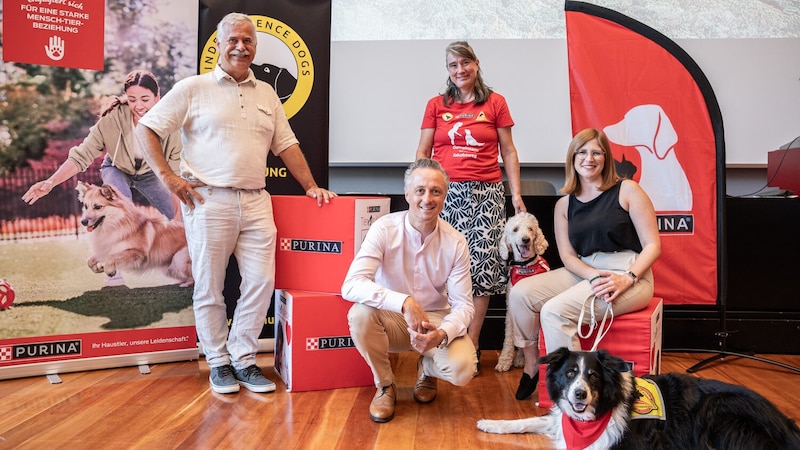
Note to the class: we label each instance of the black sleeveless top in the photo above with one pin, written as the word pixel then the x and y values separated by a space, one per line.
pixel 601 225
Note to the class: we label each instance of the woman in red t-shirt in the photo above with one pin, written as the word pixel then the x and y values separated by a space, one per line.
pixel 466 129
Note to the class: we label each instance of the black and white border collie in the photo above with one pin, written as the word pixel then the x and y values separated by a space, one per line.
pixel 595 398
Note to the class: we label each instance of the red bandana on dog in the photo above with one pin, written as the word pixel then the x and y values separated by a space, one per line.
pixel 524 269
pixel 579 435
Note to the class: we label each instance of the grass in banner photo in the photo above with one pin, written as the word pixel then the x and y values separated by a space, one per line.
pixel 57 293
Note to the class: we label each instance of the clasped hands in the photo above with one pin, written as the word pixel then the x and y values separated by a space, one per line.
pixel 423 334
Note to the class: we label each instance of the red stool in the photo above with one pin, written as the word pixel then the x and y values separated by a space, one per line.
pixel 634 337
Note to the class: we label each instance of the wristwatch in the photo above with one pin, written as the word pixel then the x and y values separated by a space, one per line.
pixel 633 276
pixel 443 344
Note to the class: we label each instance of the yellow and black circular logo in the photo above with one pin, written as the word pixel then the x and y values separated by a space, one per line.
pixel 282 60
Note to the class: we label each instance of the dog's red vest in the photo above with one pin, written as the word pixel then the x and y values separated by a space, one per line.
pixel 528 268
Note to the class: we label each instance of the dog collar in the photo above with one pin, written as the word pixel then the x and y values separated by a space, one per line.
pixel 579 435
pixel 523 263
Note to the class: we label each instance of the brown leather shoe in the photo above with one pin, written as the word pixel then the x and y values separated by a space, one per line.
pixel 382 407
pixel 425 389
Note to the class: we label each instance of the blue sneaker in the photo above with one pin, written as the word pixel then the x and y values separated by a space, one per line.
pixel 252 378
pixel 222 380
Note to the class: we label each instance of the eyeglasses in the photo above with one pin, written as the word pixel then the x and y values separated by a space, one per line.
pixel 596 154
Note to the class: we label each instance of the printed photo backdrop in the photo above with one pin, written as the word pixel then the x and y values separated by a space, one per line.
pixel 63 316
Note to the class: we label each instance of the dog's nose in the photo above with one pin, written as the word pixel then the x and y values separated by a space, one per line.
pixel 580 394
pixel 84 222
pixel 525 240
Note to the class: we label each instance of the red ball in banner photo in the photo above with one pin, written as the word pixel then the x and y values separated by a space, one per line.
pixel 6 295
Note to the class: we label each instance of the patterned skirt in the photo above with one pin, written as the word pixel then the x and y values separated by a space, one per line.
pixel 478 210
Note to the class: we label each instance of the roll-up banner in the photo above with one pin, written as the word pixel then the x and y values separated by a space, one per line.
pixel 665 127
pixel 60 308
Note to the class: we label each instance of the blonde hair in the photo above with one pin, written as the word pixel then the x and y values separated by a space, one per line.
pixel 609 173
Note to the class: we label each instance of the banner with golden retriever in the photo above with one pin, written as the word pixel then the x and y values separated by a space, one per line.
pixel 92 274
pixel 665 127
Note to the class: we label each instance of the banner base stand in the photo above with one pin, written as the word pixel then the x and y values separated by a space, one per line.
pixel 54 378
pixel 144 369
pixel 54 368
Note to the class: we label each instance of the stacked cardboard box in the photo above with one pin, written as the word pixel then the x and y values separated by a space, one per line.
pixel 313 348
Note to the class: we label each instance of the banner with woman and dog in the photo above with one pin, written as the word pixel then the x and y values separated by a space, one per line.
pixel 92 254
pixel 94 270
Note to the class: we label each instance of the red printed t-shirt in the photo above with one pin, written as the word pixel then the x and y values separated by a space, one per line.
pixel 465 137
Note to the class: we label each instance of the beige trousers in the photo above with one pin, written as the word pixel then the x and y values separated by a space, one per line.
pixel 376 333
pixel 553 301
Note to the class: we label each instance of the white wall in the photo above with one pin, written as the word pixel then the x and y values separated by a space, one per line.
pixel 387 59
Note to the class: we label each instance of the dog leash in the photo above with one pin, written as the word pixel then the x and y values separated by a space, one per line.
pixel 602 330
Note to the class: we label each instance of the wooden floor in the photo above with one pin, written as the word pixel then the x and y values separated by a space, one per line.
pixel 172 407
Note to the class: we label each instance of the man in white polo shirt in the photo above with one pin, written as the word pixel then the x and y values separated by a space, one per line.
pixel 229 121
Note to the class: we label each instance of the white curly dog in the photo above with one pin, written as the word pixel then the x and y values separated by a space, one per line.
pixel 524 243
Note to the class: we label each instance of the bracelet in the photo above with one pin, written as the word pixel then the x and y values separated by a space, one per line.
pixel 633 276
pixel 591 280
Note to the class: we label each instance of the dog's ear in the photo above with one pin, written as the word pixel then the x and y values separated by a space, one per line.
pixel 108 192
pixel 555 358
pixel 614 373
pixel 612 362
pixel 540 243
pixel 81 188
pixel 505 248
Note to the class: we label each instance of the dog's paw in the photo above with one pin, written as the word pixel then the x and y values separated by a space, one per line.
pixel 491 426
pixel 540 425
pixel 503 365
pixel 95 265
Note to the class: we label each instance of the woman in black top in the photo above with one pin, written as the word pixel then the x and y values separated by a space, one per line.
pixel 607 237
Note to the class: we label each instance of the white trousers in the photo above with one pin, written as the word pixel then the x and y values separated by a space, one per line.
pixel 240 223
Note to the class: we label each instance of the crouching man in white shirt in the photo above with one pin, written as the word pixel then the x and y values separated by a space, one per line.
pixel 412 290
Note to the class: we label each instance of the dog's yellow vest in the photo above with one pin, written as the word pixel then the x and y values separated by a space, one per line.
pixel 649 403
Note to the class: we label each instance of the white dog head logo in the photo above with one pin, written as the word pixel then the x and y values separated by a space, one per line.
pixel 648 129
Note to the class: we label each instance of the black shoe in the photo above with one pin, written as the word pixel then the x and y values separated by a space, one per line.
pixel 527 385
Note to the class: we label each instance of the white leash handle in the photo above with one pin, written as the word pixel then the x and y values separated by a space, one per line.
pixel 602 330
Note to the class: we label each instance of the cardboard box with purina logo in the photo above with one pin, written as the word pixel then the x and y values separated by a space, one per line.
pixel 317 244
pixel 313 347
